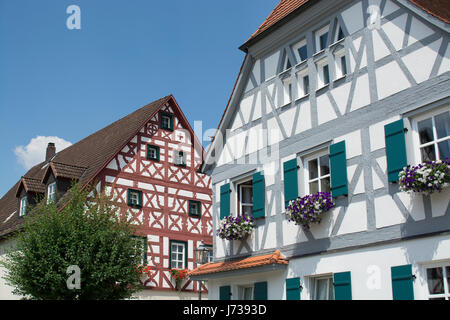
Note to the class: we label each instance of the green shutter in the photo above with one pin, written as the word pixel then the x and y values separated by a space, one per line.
pixel 338 167
pixel 402 282
pixel 290 181
pixel 293 289
pixel 259 199
pixel 225 293
pixel 260 291
pixel 225 201
pixel 395 149
pixel 342 286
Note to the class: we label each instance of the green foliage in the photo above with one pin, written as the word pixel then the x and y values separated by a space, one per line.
pixel 87 232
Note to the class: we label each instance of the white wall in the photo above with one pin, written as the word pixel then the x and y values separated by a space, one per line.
pixel 6 290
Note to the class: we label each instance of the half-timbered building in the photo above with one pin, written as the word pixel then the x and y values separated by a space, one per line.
pixel 149 163
pixel 339 97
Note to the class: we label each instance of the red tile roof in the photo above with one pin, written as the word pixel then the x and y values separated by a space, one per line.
pixel 250 262
pixel 437 8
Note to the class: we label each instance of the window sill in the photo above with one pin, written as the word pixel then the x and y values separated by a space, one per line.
pixel 323 88
pixel 340 78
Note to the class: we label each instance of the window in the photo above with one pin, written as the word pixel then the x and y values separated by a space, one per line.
pixel 51 192
pixel 23 206
pixel 152 153
pixel 287 91
pixel 194 208
pixel 303 83
pixel 179 158
pixel 317 174
pixel 245 292
pixel 340 34
pixel 300 50
pixel 166 121
pixel 323 73
pixel 321 38
pixel 178 258
pixel 341 63
pixel 287 63
pixel 323 288
pixel 438 282
pixel 245 201
pixel 433 136
pixel 134 198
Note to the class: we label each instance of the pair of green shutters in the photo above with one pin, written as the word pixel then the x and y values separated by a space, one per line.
pixel 259 291
pixel 401 276
pixel 338 169
pixel 259 197
pixel 395 154
pixel 341 281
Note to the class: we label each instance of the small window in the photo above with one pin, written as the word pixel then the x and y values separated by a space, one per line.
pixel 341 64
pixel 245 198
pixel 318 174
pixel 340 34
pixel 300 50
pixel 194 208
pixel 166 121
pixel 134 198
pixel 178 258
pixel 323 288
pixel 23 206
pixel 179 158
pixel 152 153
pixel 438 282
pixel 245 292
pixel 51 192
pixel 322 38
pixel 303 83
pixel 323 73
pixel 287 91
pixel 433 135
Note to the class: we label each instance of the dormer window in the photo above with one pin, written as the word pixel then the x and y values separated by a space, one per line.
pixel 23 206
pixel 51 192
pixel 180 158
pixel 166 121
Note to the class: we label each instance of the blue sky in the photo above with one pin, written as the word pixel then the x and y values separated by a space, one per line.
pixel 56 82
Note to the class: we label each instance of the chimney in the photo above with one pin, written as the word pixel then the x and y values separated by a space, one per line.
pixel 51 151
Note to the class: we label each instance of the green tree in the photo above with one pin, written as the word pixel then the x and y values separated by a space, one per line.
pixel 87 232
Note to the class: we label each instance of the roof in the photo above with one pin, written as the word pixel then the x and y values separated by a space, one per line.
pixel 81 161
pixel 437 8
pixel 251 262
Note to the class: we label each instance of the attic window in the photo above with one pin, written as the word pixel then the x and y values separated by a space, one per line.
pixel 51 192
pixel 321 38
pixel 180 158
pixel 166 121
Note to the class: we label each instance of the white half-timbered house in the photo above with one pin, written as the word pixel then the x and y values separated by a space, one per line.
pixel 335 96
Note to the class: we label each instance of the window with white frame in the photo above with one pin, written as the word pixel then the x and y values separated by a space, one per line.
pixel 245 198
pixel 177 255
pixel 287 63
pixel 321 36
pixel 317 173
pixel 323 72
pixel 303 83
pixel 179 158
pixel 340 34
pixel 287 91
pixel 300 50
pixel 432 135
pixel 51 192
pixel 23 206
pixel 322 288
pixel 341 63
pixel 245 292
pixel 438 281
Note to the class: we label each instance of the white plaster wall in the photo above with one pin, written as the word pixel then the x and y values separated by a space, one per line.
pixel 365 265
pixel 6 290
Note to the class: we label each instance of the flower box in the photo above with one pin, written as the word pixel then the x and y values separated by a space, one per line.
pixel 426 177
pixel 178 275
pixel 236 228
pixel 308 209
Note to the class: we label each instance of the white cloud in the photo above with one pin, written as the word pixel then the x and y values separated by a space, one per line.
pixel 34 153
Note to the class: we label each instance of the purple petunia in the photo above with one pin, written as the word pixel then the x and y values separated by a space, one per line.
pixel 426 178
pixel 308 209
pixel 235 228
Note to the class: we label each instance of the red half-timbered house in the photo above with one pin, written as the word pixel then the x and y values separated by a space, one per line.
pixel 149 162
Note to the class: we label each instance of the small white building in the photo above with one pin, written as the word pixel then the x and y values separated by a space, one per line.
pixel 335 96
